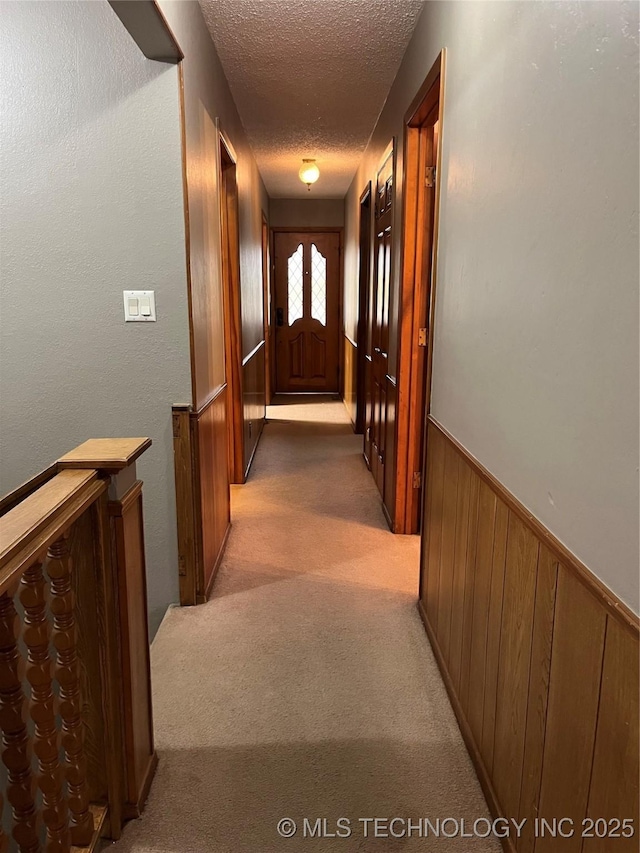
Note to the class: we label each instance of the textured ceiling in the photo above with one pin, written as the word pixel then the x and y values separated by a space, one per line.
pixel 310 78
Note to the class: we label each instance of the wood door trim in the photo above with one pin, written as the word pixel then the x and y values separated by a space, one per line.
pixel 365 192
pixel 187 226
pixel 365 245
pixel 228 145
pixel 340 328
pixel 614 605
pixel 417 113
pixel 350 339
pixel 232 296
pixel 414 374
pixel 265 241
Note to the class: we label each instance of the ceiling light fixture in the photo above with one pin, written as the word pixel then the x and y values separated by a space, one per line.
pixel 309 173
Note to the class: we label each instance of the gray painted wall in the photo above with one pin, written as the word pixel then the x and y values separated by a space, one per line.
pixel 206 91
pixel 536 330
pixel 306 213
pixel 91 205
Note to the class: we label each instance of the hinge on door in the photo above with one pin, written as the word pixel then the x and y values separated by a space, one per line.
pixel 417 479
pixel 422 337
pixel 430 176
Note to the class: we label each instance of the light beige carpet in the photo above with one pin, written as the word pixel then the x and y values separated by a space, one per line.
pixel 306 687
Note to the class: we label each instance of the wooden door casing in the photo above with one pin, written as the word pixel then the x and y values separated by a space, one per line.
pixel 364 304
pixel 307 328
pixel 421 192
pixel 380 317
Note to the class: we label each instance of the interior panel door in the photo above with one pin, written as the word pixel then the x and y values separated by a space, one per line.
pixel 307 290
pixel 380 318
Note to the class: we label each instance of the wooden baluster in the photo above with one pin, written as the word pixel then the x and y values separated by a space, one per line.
pixel 46 745
pixel 4 841
pixel 16 752
pixel 64 640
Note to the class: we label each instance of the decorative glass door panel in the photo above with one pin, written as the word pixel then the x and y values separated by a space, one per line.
pixel 318 285
pixel 295 287
pixel 307 294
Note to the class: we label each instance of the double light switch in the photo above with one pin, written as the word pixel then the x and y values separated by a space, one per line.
pixel 139 306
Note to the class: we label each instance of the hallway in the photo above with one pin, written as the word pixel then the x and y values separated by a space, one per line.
pixel 306 686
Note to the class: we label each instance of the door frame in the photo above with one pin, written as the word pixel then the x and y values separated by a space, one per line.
pixel 266 308
pixel 415 363
pixel 365 244
pixel 307 229
pixel 230 270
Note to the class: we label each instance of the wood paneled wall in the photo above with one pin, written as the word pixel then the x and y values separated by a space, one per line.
pixel 202 494
pixel 253 392
pixel 128 537
pixel 539 658
pixel 350 377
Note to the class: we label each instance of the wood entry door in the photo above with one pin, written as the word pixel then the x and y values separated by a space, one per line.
pixel 377 427
pixel 307 311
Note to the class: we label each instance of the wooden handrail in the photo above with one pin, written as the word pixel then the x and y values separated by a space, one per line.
pixel 23 523
pixel 34 540
pixel 73 608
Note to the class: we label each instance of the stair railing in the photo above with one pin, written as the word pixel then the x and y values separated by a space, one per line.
pixel 77 754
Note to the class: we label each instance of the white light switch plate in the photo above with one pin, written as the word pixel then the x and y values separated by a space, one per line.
pixel 139 306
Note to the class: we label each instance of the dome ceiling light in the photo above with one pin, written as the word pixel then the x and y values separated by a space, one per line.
pixel 309 173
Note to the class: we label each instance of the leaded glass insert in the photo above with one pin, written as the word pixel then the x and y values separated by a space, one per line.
pixel 295 286
pixel 318 285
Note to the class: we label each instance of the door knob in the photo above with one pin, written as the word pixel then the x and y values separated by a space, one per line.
pixel 280 316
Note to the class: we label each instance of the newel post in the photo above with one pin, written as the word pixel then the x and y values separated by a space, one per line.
pixel 116 459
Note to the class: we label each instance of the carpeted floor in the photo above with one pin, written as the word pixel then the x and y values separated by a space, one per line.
pixel 306 687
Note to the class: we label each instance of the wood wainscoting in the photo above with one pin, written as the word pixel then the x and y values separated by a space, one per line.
pixel 254 401
pixel 202 493
pixel 350 390
pixel 539 658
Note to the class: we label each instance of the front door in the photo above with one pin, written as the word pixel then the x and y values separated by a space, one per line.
pixel 307 315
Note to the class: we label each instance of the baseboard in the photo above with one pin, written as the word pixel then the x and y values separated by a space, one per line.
pixel 132 811
pixel 465 730
pixel 351 421
pixel 387 517
pixel 255 447
pixel 223 548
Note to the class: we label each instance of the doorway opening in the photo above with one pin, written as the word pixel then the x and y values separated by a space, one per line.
pixel 422 158
pixel 232 308
pixel 307 287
